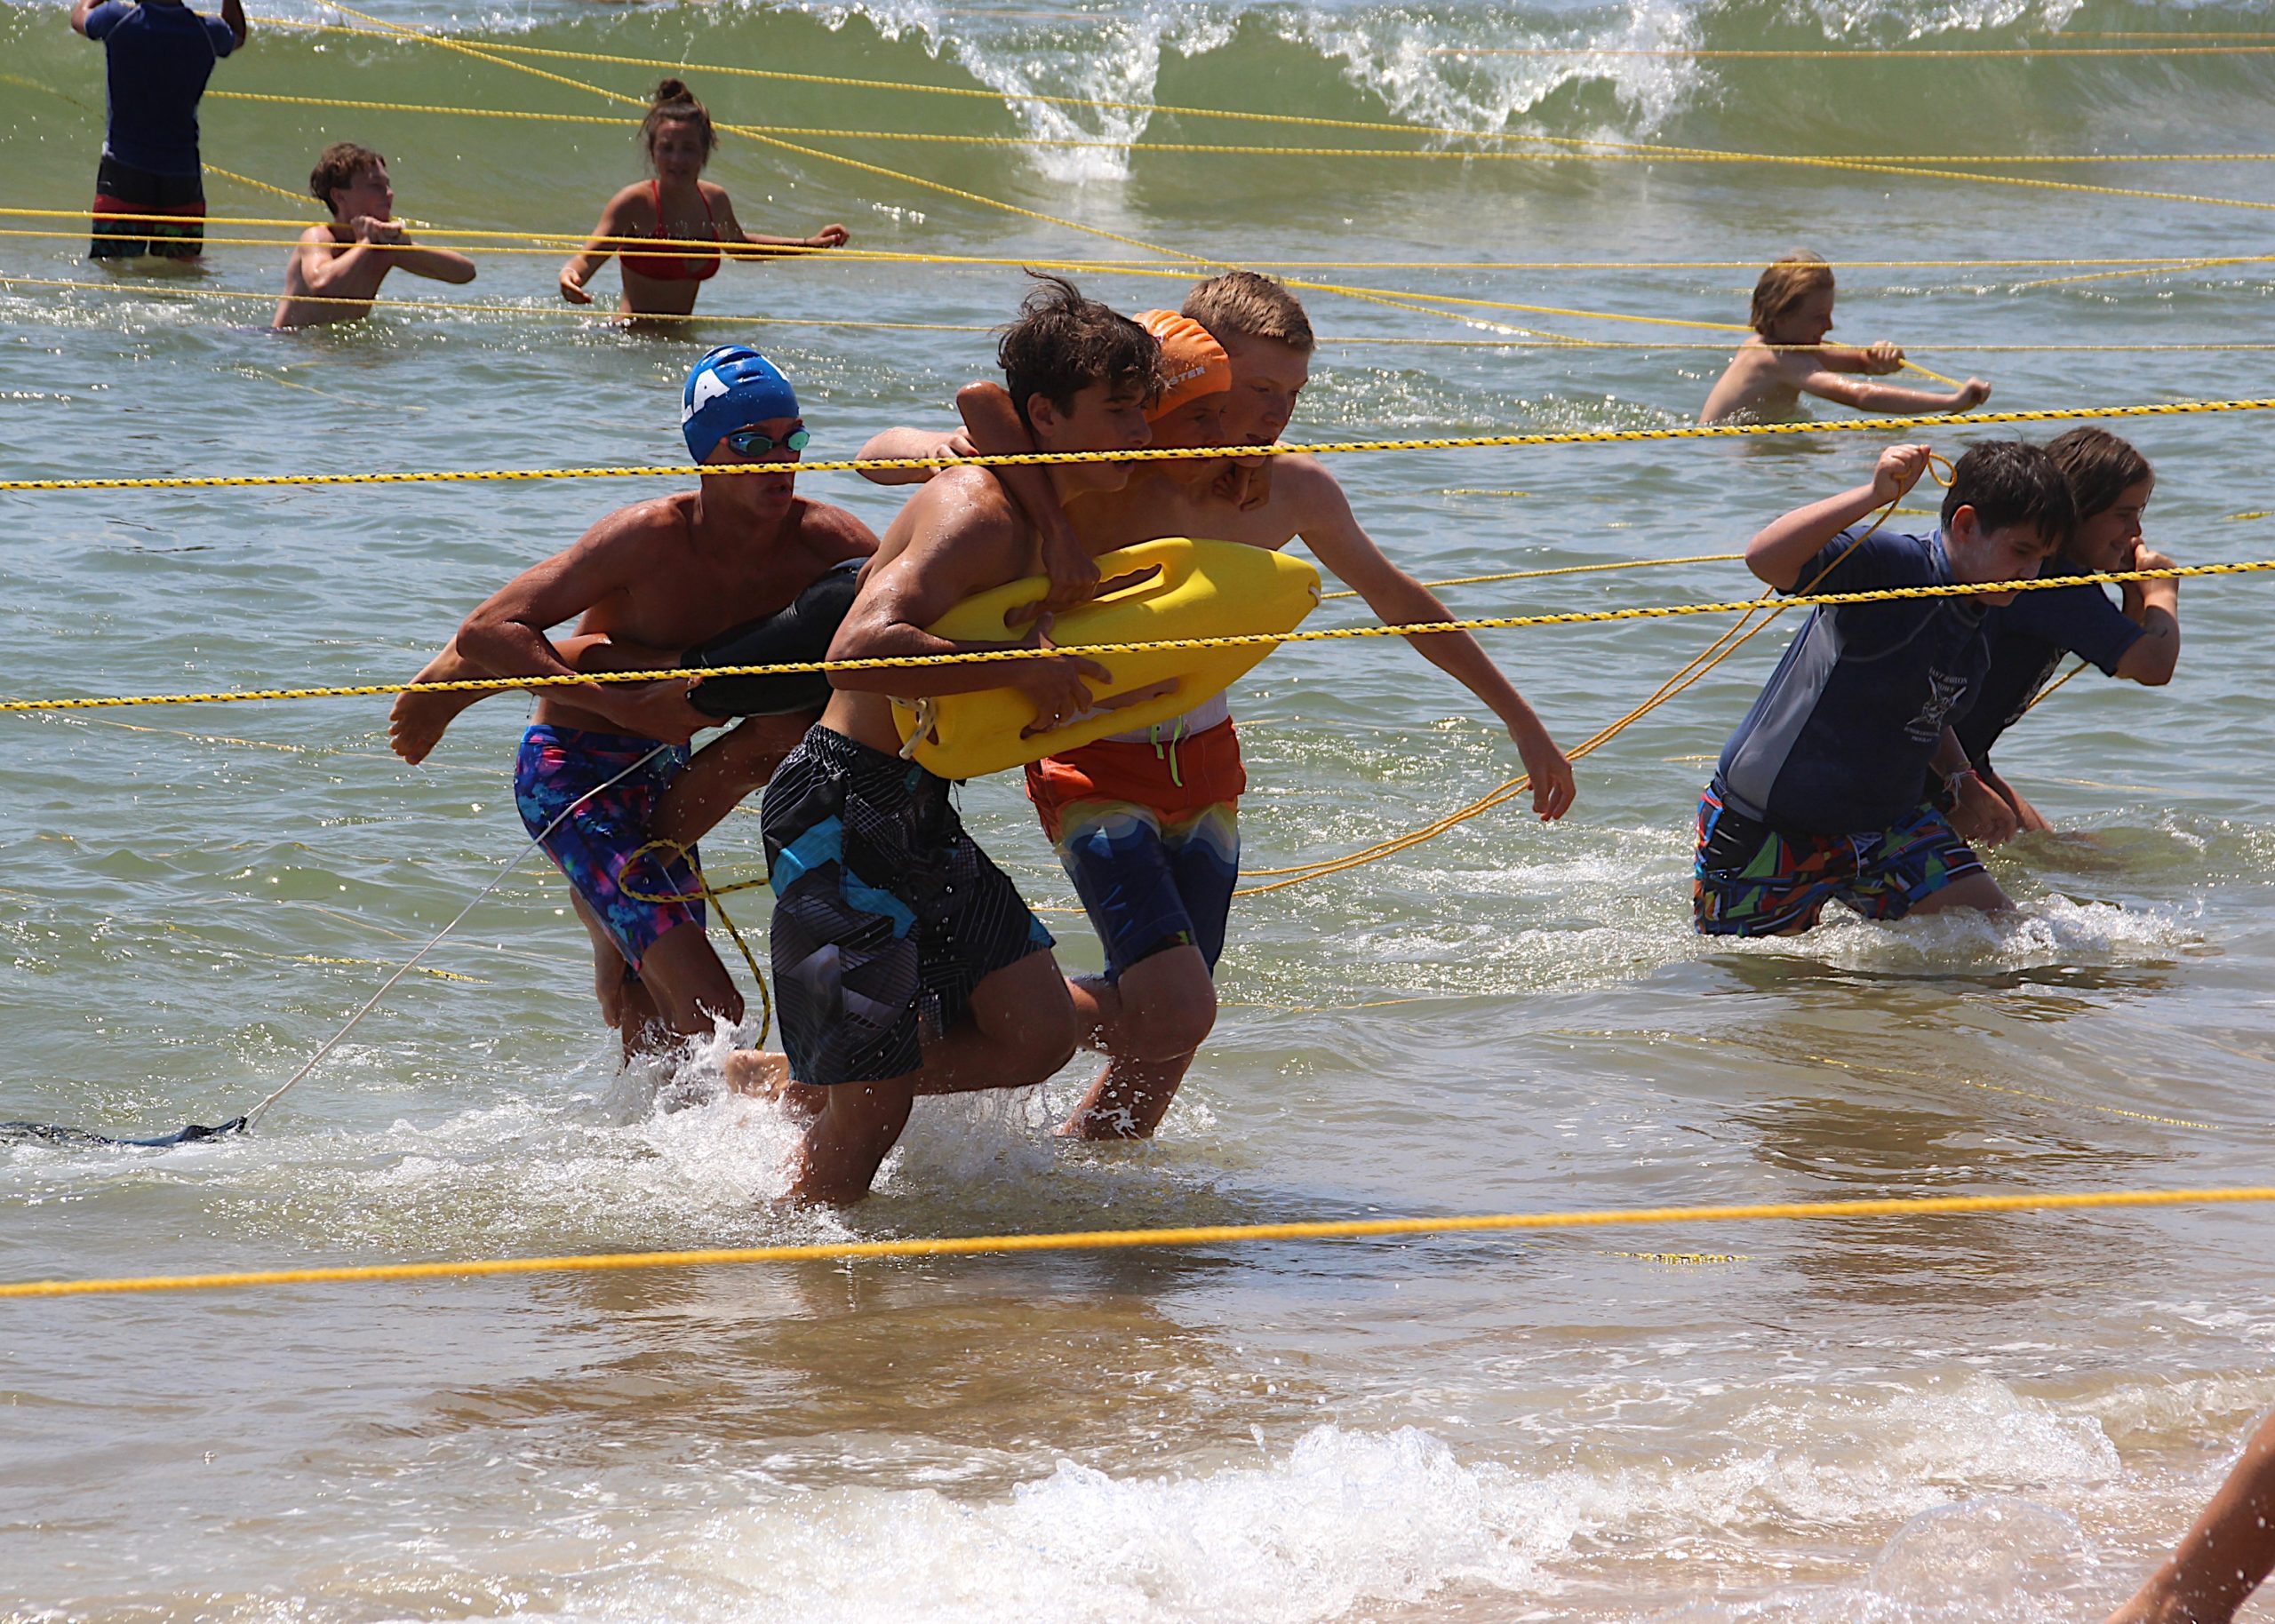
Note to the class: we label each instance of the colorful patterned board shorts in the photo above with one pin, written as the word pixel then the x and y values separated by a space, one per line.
pixel 121 189
pixel 887 915
pixel 1150 835
pixel 557 771
pixel 1751 881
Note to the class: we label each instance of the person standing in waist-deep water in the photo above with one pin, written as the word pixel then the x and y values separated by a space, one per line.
pixel 678 206
pixel 1787 357
pixel 160 53
pixel 336 270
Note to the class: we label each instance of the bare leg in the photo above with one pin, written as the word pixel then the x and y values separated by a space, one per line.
pixel 2225 1556
pixel 689 986
pixel 1020 1030
pixel 1977 890
pixel 1150 1023
pixel 625 1004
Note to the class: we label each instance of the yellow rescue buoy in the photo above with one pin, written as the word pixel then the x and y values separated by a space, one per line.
pixel 1203 589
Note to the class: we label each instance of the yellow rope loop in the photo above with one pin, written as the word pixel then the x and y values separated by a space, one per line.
pixel 1696 668
pixel 684 852
pixel 1198 1235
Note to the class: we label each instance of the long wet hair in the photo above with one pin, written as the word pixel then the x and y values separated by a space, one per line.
pixel 2099 466
pixel 673 103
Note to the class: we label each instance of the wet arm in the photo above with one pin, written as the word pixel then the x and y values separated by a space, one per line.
pixel 582 265
pixel 905 443
pixel 731 233
pixel 2225 1556
pixel 1334 536
pixel 79 10
pixel 506 636
pixel 323 274
pixel 2155 605
pixel 435 264
pixel 233 14
pixel 1890 398
pixel 1783 548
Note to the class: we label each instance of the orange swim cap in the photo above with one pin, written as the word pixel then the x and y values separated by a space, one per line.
pixel 1193 363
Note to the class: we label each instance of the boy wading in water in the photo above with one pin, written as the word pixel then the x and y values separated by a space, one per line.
pixel 349 259
pixel 1792 306
pixel 905 962
pixel 660 575
pixel 1818 794
pixel 1146 825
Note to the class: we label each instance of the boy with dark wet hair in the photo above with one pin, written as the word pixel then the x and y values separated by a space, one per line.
pixel 1147 825
pixel 2110 482
pixel 1787 357
pixel 905 962
pixel 157 56
pixel 336 270
pixel 1817 797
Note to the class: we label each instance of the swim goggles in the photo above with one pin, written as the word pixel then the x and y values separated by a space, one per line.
pixel 751 442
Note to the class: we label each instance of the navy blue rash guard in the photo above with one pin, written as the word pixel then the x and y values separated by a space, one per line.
pixel 1841 738
pixel 2028 639
pixel 159 57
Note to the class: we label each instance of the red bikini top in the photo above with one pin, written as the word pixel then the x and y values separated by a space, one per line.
pixel 674 267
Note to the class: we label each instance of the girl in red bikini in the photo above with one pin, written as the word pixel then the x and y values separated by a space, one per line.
pixel 677 206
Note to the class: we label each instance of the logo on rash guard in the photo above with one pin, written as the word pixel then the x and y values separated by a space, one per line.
pixel 1944 691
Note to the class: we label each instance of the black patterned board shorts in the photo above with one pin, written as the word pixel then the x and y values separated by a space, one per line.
pixel 887 915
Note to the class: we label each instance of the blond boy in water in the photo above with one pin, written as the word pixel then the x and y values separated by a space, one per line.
pixel 1787 357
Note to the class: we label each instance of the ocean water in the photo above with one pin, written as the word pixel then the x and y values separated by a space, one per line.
pixel 1897 1421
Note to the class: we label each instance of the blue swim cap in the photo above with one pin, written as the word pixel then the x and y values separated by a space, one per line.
pixel 731 388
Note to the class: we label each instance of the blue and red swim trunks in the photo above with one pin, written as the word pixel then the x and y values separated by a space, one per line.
pixel 1752 881
pixel 598 844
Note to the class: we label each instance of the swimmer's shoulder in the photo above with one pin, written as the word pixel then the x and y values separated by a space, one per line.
pixel 834 532
pixel 660 521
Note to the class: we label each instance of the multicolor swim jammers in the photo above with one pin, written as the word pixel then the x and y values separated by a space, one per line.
pixel 557 771
pixel 1752 881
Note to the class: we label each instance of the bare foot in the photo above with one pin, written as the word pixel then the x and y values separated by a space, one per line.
pixel 764 1075
pixel 417 722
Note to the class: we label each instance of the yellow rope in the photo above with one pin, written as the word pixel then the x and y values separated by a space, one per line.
pixel 600 313
pixel 1456 442
pixel 704 891
pixel 574 312
pixel 1197 1235
pixel 1688 675
pixel 1530 575
pixel 577 237
pixel 1668 611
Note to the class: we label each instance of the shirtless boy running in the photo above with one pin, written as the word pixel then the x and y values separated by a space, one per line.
pixel 905 962
pixel 1146 826
pixel 347 259
pixel 664 574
